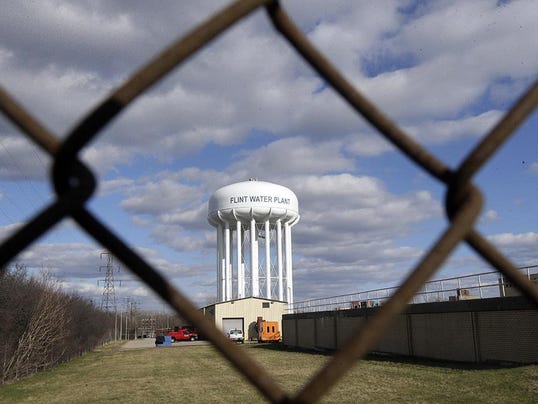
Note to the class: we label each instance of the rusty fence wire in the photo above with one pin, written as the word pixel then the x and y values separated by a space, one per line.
pixel 75 184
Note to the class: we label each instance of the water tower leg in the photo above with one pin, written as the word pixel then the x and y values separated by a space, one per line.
pixel 289 277
pixel 254 259
pixel 220 264
pixel 267 260
pixel 240 267
pixel 227 272
pixel 279 260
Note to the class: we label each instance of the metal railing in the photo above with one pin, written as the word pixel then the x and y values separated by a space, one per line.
pixel 475 286
pixel 74 184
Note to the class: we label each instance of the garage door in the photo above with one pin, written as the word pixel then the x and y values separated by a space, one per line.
pixel 231 323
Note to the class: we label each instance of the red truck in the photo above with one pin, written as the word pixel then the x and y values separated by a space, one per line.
pixel 183 334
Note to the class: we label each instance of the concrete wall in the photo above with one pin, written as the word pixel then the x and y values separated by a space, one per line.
pixel 518 345
pixel 397 339
pixel 443 336
pixel 501 329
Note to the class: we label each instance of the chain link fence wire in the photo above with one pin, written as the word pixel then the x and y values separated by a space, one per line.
pixel 75 184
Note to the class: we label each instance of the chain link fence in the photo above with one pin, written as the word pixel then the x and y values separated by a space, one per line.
pixel 75 184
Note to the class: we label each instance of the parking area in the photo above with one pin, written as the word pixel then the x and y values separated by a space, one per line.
pixel 150 343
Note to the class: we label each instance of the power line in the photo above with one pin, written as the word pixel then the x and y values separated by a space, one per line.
pixel 30 199
pixel 17 183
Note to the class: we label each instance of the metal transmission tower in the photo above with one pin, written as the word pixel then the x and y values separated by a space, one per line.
pixel 108 300
pixel 148 326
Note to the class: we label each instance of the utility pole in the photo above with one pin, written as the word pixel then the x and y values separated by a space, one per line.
pixel 130 311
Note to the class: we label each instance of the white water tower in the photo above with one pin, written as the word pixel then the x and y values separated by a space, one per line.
pixel 253 221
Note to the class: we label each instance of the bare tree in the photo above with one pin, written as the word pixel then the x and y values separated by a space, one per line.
pixel 41 344
pixel 18 299
pixel 41 326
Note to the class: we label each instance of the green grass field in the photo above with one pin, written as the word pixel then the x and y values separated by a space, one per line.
pixel 198 374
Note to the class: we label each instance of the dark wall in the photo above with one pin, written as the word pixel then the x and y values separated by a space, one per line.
pixel 496 330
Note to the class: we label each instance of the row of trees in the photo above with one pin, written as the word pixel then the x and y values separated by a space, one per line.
pixel 41 326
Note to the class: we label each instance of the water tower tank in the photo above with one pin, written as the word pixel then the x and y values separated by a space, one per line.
pixel 253 221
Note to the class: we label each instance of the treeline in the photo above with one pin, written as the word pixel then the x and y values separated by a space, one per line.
pixel 41 326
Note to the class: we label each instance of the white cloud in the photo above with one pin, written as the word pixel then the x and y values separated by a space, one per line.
pixel 345 218
pixel 351 30
pixel 9 230
pixel 248 106
pixel 315 278
pixel 458 50
pixel 442 131
pixel 251 79
pixel 292 156
pixel 77 260
pixel 510 239
pixel 182 239
pixel 159 197
pixel 171 270
pixel 367 144
pixel 106 157
pixel 490 215
pixel 116 184
pixel 55 95
pixel 520 247
pixel 21 159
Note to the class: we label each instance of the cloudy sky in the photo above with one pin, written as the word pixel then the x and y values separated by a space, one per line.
pixel 248 106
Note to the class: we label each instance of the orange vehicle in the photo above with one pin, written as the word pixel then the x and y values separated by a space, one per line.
pixel 268 331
